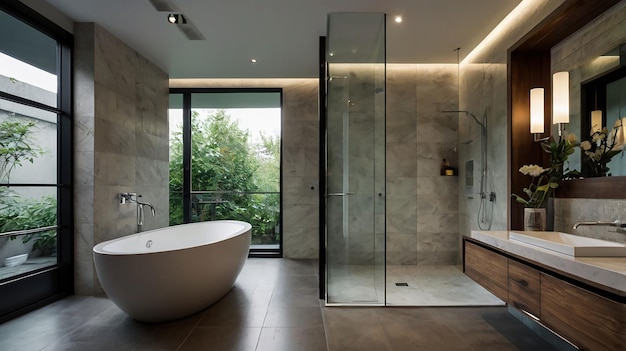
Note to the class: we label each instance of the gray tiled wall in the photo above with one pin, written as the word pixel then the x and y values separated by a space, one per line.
pixel 483 91
pixel 422 209
pixel 121 143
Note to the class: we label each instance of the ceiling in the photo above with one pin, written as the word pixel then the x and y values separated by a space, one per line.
pixel 283 35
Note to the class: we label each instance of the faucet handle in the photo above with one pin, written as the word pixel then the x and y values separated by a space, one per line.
pixel 123 198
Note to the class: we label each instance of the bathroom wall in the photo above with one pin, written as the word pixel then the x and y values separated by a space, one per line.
pixel 120 143
pixel 483 91
pixel 422 209
pixel 422 216
pixel 599 36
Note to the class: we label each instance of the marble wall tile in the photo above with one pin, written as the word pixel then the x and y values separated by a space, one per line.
pixel 401 160
pixel 109 140
pixel 300 216
pixel 114 138
pixel 401 249
pixel 114 63
pixel 437 223
pixel 438 242
pixel 301 242
pixel 152 147
pixel 567 212
pixel 115 108
pixel 114 169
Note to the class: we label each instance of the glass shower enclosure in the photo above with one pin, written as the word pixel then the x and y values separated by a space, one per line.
pixel 355 159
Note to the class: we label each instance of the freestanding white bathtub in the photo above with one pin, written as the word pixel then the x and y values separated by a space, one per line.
pixel 172 272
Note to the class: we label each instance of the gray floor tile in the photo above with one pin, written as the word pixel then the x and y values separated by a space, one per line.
pixel 357 338
pixel 293 316
pixel 273 306
pixel 222 339
pixel 290 339
pixel 226 315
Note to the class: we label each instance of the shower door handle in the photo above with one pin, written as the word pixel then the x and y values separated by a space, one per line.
pixel 339 194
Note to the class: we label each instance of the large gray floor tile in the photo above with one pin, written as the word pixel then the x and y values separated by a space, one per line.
pixel 273 307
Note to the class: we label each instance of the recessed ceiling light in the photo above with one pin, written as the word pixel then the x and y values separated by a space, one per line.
pixel 176 18
pixel 398 19
pixel 332 54
pixel 253 60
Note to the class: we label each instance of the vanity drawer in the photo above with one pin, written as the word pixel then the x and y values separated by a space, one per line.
pixel 488 269
pixel 591 321
pixel 524 288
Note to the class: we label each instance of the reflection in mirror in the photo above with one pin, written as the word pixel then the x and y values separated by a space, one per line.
pixel 601 84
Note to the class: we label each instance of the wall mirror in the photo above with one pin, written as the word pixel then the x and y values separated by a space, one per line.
pixel 597 100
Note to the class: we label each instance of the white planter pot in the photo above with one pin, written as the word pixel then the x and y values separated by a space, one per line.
pixel 15 260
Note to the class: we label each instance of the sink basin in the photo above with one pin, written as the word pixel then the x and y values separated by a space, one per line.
pixel 569 244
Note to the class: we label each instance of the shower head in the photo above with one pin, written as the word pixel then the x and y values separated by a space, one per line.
pixel 467 113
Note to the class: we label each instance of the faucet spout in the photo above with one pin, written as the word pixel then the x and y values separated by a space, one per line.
pixel 616 223
pixel 133 197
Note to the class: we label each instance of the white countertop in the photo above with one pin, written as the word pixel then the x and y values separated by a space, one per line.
pixel 609 272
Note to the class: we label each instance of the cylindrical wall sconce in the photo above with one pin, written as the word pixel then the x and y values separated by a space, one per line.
pixel 536 110
pixel 596 120
pixel 560 97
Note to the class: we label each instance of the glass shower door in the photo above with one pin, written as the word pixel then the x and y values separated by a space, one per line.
pixel 355 160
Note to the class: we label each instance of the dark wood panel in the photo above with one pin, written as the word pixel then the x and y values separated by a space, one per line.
pixel 562 22
pixel 528 70
pixel 524 288
pixel 593 188
pixel 590 321
pixel 488 269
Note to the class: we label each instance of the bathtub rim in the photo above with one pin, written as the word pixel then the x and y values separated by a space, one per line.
pixel 97 249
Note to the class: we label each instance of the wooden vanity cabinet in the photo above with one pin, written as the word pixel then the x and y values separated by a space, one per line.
pixel 591 321
pixel 488 269
pixel 524 288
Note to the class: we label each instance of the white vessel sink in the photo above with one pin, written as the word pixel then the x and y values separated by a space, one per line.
pixel 569 244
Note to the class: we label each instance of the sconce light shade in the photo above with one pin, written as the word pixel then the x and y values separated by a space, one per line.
pixel 560 97
pixel 596 119
pixel 536 110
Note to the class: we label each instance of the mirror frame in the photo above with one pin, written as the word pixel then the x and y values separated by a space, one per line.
pixel 528 67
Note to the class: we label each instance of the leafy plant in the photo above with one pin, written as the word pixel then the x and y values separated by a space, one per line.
pixel 224 160
pixel 15 146
pixel 601 148
pixel 19 213
pixel 547 179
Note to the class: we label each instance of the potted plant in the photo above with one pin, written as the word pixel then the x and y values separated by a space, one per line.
pixel 545 180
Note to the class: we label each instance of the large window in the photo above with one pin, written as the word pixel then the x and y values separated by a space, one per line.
pixel 35 162
pixel 229 143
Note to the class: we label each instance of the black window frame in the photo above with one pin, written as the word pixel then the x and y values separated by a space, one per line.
pixel 23 293
pixel 187 191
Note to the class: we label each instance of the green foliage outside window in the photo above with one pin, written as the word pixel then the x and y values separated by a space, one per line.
pixel 223 161
pixel 17 212
pixel 20 213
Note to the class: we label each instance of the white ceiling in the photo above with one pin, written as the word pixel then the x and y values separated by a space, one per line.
pixel 283 35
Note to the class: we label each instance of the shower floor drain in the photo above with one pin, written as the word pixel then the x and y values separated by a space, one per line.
pixel 402 284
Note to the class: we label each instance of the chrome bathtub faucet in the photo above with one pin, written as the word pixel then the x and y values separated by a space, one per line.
pixel 134 197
